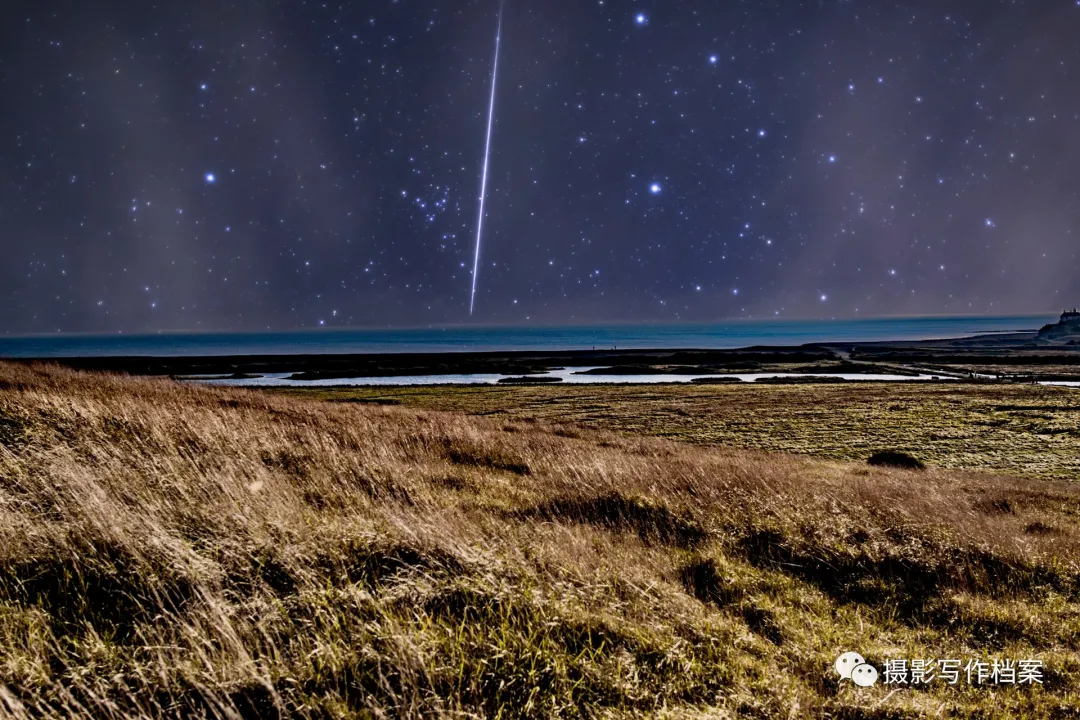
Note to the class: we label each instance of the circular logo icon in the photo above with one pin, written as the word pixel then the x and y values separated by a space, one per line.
pixel 848 662
pixel 864 675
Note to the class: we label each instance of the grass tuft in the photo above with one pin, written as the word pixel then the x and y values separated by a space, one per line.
pixel 651 521
pixel 465 453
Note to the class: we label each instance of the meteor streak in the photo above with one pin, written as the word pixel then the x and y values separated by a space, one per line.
pixel 487 155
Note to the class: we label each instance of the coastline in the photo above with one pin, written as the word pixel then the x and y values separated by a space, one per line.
pixel 1017 356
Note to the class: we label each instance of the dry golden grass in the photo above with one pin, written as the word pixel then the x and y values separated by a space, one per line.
pixel 1018 429
pixel 168 550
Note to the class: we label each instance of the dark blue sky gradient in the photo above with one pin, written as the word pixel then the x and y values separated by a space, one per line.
pixel 828 158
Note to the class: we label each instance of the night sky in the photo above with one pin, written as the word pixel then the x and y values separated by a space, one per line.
pixel 275 165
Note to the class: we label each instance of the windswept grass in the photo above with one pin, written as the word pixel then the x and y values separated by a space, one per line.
pixel 1020 429
pixel 168 550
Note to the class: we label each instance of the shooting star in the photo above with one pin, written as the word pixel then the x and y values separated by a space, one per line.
pixel 487 155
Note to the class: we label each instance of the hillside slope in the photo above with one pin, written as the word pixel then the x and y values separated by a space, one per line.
pixel 168 550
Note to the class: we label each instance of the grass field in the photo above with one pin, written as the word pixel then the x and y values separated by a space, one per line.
pixel 168 550
pixel 1022 429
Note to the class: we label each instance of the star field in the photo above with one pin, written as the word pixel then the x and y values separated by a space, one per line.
pixel 278 165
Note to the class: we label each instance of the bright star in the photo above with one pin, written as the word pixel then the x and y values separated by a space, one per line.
pixel 210 178
pixel 832 158
pixel 824 297
pixel 641 19
pixel 713 59
pixel 761 133
pixel 655 188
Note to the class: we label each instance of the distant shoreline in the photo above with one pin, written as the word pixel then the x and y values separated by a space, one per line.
pixel 1005 349
pixel 473 340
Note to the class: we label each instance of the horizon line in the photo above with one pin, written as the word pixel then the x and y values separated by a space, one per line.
pixel 536 326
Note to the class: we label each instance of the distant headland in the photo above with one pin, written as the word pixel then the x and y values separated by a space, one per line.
pixel 1066 329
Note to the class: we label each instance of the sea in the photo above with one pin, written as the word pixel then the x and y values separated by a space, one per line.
pixel 729 334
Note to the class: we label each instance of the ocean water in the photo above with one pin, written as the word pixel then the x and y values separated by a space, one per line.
pixel 731 334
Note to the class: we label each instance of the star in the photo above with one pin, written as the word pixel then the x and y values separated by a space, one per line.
pixel 641 19
pixel 713 59
pixel 211 178
pixel 655 188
